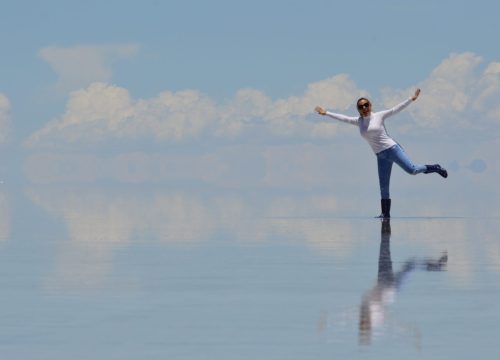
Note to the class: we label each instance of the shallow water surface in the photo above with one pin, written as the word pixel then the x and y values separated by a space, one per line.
pixel 99 275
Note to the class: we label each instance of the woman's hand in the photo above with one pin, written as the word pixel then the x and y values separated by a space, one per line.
pixel 320 110
pixel 417 93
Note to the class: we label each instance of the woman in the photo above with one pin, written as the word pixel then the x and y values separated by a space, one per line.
pixel 372 128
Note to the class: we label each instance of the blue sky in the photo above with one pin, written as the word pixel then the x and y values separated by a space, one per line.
pixel 219 47
pixel 191 83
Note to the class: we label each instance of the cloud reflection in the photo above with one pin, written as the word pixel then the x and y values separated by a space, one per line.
pixel 100 221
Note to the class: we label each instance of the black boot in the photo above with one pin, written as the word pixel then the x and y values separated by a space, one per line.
pixel 386 208
pixel 436 168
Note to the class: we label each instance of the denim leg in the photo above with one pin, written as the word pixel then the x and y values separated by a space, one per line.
pixel 384 176
pixel 398 155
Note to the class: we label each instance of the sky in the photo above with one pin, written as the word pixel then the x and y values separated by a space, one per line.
pixel 222 93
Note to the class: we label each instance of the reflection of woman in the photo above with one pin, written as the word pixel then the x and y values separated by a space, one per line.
pixel 372 309
pixel 372 128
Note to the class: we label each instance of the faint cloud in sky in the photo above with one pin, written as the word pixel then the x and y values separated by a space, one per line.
pixel 5 217
pixel 478 166
pixel 236 166
pixel 4 118
pixel 79 66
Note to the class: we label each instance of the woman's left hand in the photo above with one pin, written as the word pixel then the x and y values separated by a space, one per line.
pixel 417 93
pixel 320 110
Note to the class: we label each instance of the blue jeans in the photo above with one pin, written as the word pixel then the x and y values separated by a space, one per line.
pixel 394 154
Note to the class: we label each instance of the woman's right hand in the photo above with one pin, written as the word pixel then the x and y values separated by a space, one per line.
pixel 320 110
pixel 417 93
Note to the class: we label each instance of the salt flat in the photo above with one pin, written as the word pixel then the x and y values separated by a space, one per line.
pixel 127 275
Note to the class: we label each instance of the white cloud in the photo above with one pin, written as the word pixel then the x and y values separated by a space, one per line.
pixel 94 114
pixel 285 116
pixel 487 100
pixel 79 66
pixel 245 110
pixel 102 111
pixel 455 94
pixel 448 89
pixel 171 116
pixel 4 118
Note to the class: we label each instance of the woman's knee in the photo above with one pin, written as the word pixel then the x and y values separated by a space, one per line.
pixel 411 169
pixel 417 169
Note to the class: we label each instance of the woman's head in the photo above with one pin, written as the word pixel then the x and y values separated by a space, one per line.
pixel 364 106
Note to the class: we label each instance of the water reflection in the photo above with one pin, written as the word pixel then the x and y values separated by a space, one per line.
pixel 133 271
pixel 99 222
pixel 374 304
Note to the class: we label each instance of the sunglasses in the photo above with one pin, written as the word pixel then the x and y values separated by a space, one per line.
pixel 363 106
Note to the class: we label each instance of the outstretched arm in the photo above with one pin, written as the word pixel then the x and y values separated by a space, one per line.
pixel 401 106
pixel 347 119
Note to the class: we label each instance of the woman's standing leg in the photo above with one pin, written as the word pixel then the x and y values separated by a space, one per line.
pixel 384 178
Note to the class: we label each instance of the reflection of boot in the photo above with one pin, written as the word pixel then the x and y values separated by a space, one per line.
pixel 386 226
pixel 437 265
pixel 386 208
pixel 385 273
pixel 409 265
pixel 436 168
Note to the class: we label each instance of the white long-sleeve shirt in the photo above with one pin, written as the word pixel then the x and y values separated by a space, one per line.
pixel 372 127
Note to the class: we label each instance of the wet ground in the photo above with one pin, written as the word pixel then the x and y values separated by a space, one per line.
pixel 94 275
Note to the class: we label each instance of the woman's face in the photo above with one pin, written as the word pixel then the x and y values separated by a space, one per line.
pixel 364 107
